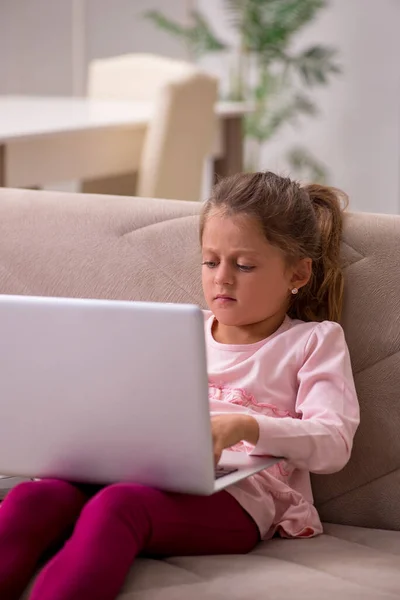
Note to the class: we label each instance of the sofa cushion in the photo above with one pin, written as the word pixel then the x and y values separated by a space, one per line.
pixel 347 563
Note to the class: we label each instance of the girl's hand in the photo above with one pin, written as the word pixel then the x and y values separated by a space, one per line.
pixel 229 429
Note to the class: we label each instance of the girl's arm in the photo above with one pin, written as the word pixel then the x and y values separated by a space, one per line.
pixel 321 440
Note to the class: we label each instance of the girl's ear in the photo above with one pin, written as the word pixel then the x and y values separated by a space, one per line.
pixel 301 273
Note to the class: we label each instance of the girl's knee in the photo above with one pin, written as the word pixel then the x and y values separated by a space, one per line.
pixel 44 491
pixel 120 498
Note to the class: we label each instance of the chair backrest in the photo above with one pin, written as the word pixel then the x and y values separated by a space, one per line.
pixel 137 77
pixel 180 135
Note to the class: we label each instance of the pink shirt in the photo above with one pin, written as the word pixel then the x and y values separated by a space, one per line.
pixel 299 386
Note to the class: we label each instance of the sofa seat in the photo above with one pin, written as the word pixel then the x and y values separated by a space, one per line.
pixel 344 563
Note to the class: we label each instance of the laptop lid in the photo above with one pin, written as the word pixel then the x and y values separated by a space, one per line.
pixel 104 391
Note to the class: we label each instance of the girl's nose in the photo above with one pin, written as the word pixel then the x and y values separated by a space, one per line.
pixel 224 274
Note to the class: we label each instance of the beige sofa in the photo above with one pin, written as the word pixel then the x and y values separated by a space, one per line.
pixel 113 247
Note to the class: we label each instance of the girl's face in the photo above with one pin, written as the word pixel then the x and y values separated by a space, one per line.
pixel 246 281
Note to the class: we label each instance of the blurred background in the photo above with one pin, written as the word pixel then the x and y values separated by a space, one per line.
pixel 321 77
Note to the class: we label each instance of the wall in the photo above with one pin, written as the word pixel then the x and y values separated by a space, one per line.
pixel 45 45
pixel 118 26
pixel 357 134
pixel 36 47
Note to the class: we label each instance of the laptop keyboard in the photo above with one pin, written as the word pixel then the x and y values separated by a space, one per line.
pixel 222 471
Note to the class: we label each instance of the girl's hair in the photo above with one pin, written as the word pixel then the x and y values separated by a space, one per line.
pixel 303 221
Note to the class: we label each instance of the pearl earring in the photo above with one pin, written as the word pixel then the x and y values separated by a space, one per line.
pixel 295 291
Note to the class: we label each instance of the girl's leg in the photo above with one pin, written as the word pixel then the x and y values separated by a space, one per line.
pixel 33 516
pixel 125 519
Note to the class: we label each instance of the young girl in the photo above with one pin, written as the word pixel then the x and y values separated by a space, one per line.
pixel 280 383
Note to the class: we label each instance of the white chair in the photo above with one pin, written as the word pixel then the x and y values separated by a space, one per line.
pixel 180 136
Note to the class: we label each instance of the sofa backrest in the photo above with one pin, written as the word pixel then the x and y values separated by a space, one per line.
pixel 111 247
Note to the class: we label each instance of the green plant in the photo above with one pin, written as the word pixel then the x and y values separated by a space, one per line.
pixel 267 72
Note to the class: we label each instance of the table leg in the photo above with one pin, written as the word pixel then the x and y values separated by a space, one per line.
pixel 2 166
pixel 232 160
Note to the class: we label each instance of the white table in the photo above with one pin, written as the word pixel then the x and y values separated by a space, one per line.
pixel 52 139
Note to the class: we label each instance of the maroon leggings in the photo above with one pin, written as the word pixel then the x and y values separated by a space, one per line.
pixel 111 528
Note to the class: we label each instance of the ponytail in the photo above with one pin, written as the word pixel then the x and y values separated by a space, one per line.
pixel 323 296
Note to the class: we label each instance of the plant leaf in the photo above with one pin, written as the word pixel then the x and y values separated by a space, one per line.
pixel 266 120
pixel 199 37
pixel 166 24
pixel 203 38
pixel 315 64
pixel 303 105
pixel 269 24
pixel 306 165
pixel 266 86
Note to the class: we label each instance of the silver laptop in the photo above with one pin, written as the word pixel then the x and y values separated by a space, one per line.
pixel 106 391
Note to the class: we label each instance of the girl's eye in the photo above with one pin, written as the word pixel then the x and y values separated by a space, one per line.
pixel 245 268
pixel 210 264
